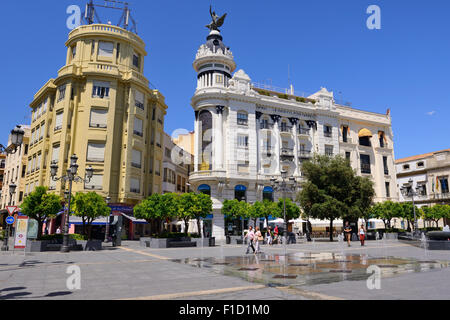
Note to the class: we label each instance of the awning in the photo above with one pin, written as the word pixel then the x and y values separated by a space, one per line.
pixel 365 133
pixel 78 221
pixel 133 219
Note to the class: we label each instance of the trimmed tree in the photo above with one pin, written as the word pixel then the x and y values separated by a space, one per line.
pixel 90 206
pixel 386 211
pixel 40 205
pixel 195 206
pixel 151 211
pixel 436 213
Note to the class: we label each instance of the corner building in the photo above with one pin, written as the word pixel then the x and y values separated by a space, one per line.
pixel 100 107
pixel 245 135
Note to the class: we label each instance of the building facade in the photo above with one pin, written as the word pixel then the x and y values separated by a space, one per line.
pixel 177 165
pixel 430 175
pixel 99 107
pixel 245 135
pixel 14 172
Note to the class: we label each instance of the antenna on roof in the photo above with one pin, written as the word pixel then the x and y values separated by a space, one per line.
pixel 291 87
pixel 90 14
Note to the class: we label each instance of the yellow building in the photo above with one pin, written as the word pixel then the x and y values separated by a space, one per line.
pixel 100 107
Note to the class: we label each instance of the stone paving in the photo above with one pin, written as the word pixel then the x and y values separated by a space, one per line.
pixel 133 272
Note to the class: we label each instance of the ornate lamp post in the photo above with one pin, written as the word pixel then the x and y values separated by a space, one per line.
pixel 12 191
pixel 70 177
pixel 108 200
pixel 16 141
pixel 285 185
pixel 407 191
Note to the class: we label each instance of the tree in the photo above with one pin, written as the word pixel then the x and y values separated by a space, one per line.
pixel 386 211
pixel 265 209
pixel 151 211
pixel 195 206
pixel 292 210
pixel 407 213
pixel 41 206
pixel 236 209
pixel 333 190
pixel 436 213
pixel 89 206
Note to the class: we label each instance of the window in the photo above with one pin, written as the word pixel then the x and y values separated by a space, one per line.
pixel 406 167
pixel 138 125
pixel 345 134
pixel 135 185
pixel 136 159
pixel 105 49
pixel 329 151
pixel 44 108
pixel 348 156
pixel 219 79
pixel 444 185
pixel 136 60
pixel 74 51
pixel 422 189
pixel 365 164
pixel 139 99
pixel 38 161
pixel 382 139
pixel 242 141
pixel 61 93
pixel 55 153
pixel 385 165
pixel 158 168
pixel 165 175
pixel 100 89
pixel 158 139
pixel 59 121
pixel 388 189
pixel 118 51
pixel 168 153
pixel 243 167
pixel 328 131
pixel 265 124
pixel 242 119
pixel 420 165
pixel 96 183
pixel 151 166
pixel 43 133
pixel 99 118
pixel 26 149
pixel 96 152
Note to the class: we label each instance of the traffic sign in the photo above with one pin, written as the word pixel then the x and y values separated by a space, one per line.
pixel 10 220
pixel 12 209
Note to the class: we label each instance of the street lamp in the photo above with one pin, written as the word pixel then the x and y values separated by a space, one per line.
pixel 108 200
pixel 71 176
pixel 285 185
pixel 12 191
pixel 17 135
pixel 407 191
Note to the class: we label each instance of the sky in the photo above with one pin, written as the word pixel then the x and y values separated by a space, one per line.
pixel 404 66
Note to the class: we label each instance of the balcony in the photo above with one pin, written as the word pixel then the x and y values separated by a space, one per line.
pixel 286 129
pixel 242 122
pixel 328 134
pixel 305 154
pixel 266 126
pixel 287 154
pixel 137 133
pixel 136 165
pixel 98 126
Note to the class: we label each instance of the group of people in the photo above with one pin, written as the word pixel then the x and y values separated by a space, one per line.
pixel 255 238
pixel 348 234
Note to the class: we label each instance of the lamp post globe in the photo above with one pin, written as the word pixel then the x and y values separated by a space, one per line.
pixel 12 188
pixel 17 135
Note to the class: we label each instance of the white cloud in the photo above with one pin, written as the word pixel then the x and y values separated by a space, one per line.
pixel 431 113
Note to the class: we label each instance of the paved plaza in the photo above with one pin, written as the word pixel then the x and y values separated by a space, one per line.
pixel 308 271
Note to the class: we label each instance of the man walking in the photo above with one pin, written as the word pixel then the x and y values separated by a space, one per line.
pixel 250 236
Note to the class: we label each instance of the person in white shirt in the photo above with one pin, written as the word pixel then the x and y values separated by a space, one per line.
pixel 250 236
pixel 446 228
pixel 362 234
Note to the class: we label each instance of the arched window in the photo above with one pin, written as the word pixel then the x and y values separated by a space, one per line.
pixel 268 194
pixel 205 119
pixel 242 118
pixel 205 189
pixel 240 193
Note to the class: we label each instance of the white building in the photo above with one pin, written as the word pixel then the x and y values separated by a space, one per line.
pixel 245 135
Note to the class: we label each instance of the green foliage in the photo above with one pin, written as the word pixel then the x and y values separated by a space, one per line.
pixel 40 205
pixel 176 235
pixel 150 209
pixel 55 237
pixel 300 99
pixel 387 211
pixel 292 210
pixel 264 93
pixel 194 206
pixel 283 96
pixel 436 213
pixel 333 190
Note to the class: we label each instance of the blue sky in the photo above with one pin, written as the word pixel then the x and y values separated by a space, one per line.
pixel 404 66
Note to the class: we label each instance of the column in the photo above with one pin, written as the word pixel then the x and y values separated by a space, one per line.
pixel 219 139
pixel 258 144
pixel 276 132
pixel 294 122
pixel 196 142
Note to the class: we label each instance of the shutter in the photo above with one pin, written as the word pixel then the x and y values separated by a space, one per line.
pixel 39 161
pixel 138 124
pixel 158 138
pixel 55 153
pixel 96 152
pixel 95 183
pixel 42 131
pixel 33 167
pixel 99 118
pixel 45 106
pixel 139 96
pixel 59 120
pixel 136 157
pixel 135 185
pixel 105 49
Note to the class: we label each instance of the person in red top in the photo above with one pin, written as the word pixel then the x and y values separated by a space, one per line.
pixel 275 232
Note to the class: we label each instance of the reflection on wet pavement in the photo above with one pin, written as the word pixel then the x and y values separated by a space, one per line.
pixel 309 268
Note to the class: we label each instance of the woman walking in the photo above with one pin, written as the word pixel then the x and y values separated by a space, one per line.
pixel 348 233
pixel 258 239
pixel 362 234
pixel 269 238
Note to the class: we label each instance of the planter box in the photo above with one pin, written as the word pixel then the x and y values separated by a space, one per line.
pixel 205 242
pixel 91 245
pixel 391 236
pixel 145 242
pixel 236 239
pixel 36 246
pixel 158 243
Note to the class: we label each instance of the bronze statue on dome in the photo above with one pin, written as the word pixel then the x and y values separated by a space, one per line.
pixel 216 21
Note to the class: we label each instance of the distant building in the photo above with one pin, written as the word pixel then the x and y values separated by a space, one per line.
pixel 186 142
pixel 430 174
pixel 14 172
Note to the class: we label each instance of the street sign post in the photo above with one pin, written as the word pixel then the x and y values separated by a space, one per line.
pixel 12 209
pixel 10 220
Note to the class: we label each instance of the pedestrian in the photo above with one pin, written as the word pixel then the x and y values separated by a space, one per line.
pixel 269 237
pixel 258 239
pixel 275 234
pixel 348 233
pixel 362 234
pixel 58 231
pixel 446 228
pixel 250 236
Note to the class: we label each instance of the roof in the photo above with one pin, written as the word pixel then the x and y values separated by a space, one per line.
pixel 422 156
